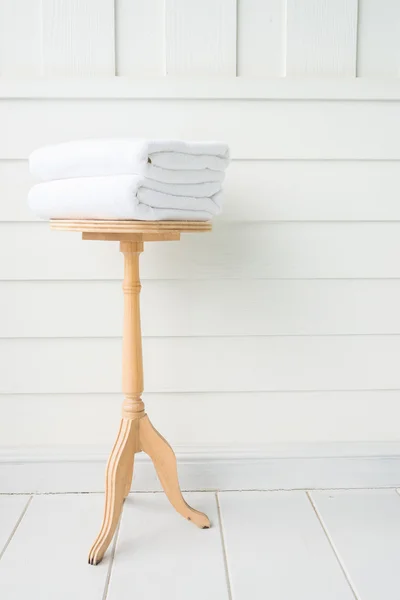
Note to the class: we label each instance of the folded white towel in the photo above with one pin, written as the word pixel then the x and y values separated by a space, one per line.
pixel 118 197
pixel 168 161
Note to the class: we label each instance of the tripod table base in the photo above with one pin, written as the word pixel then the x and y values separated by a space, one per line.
pixel 134 436
pixel 136 433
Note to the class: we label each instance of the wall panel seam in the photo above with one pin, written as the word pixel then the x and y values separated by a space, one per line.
pixel 200 337
pixel 328 391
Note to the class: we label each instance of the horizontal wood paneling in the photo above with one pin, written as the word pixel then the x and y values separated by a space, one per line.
pixel 140 38
pixel 194 308
pixel 20 38
pixel 221 312
pixel 15 182
pixel 204 364
pixel 268 191
pixel 260 38
pixel 200 37
pixel 232 251
pixel 378 53
pixel 268 129
pixel 312 191
pixel 78 37
pixel 247 418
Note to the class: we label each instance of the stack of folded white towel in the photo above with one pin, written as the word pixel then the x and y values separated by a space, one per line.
pixel 129 179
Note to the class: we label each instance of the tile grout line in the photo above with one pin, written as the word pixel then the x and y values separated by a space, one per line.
pixel 17 524
pixel 112 556
pixel 224 551
pixel 332 545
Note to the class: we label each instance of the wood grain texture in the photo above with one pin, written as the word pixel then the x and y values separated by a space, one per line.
pixel 364 526
pixel 200 37
pixel 232 251
pixel 241 270
pixel 260 38
pixel 281 526
pixel 15 182
pixel 321 38
pixel 312 191
pixel 194 308
pixel 171 236
pixel 378 52
pixel 164 461
pixel 132 359
pixel 129 226
pixel 118 477
pixel 280 420
pixel 54 534
pixel 190 364
pixel 295 129
pixel 136 433
pixel 20 38
pixel 140 38
pixel 273 190
pixel 78 38
pixel 177 556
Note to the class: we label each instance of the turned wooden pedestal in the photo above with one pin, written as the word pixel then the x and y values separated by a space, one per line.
pixel 136 433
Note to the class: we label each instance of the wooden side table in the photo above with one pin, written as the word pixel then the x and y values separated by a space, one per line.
pixel 136 433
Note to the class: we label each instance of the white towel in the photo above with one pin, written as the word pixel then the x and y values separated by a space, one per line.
pixel 118 197
pixel 168 161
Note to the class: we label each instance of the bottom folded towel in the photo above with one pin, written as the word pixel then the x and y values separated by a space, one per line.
pixel 119 197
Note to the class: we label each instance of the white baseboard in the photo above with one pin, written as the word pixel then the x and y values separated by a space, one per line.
pixel 282 466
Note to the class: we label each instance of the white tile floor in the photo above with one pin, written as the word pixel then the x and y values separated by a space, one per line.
pixel 325 545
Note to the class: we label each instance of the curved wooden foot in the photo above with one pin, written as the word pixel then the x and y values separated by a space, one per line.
pixel 129 476
pixel 164 461
pixel 118 476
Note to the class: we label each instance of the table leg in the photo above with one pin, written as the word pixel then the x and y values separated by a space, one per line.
pixel 164 461
pixel 118 474
pixel 136 432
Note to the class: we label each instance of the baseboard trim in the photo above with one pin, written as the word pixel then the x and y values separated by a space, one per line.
pixel 273 467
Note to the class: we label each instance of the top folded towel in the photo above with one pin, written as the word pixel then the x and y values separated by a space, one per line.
pixel 168 161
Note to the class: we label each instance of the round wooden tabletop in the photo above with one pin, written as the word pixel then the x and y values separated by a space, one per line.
pixel 139 227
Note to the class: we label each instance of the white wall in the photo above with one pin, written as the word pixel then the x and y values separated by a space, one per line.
pixel 283 325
